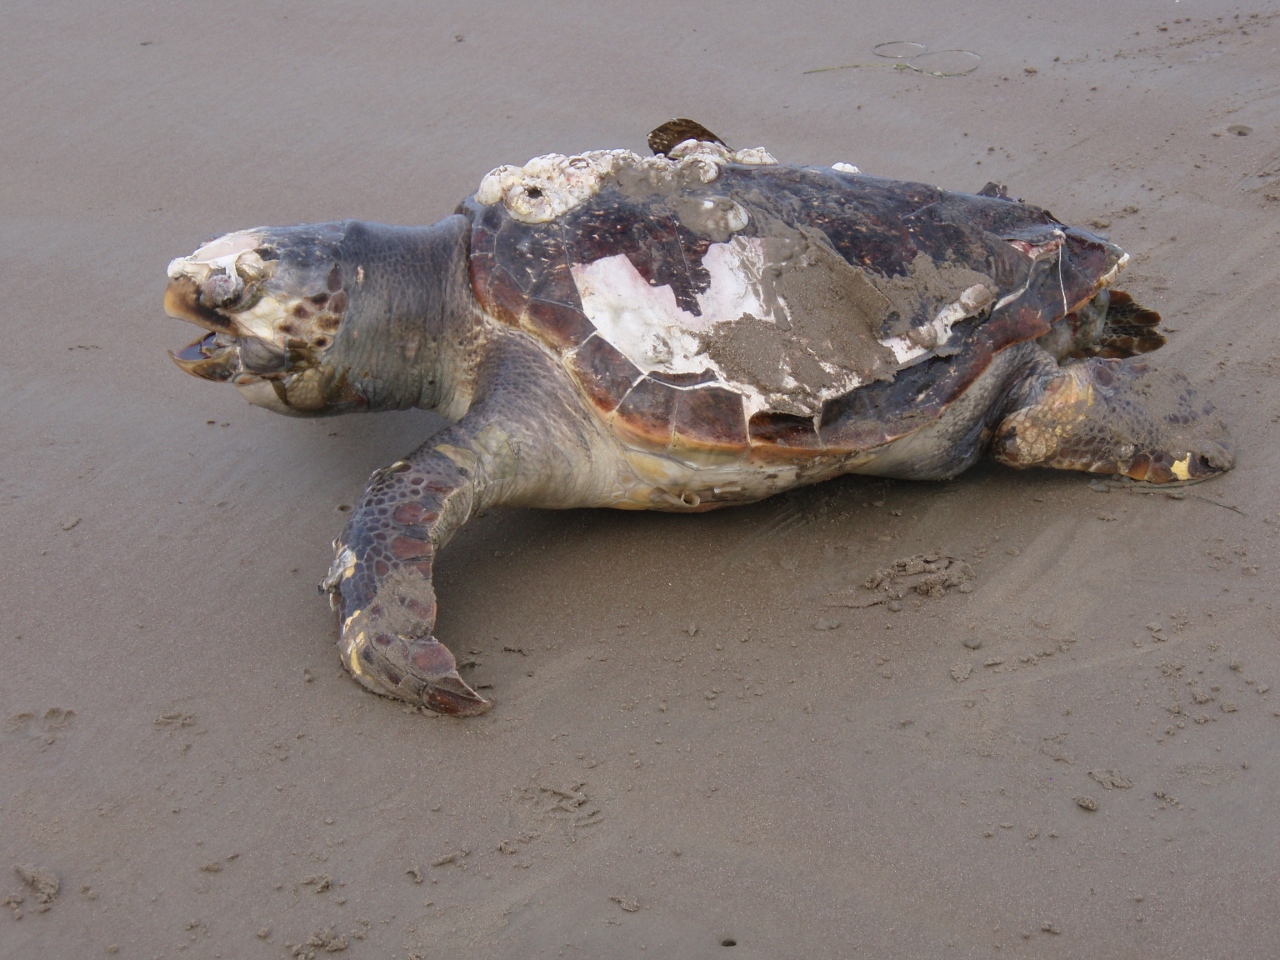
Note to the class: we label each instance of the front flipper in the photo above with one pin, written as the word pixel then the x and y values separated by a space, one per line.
pixel 526 442
pixel 380 581
pixel 1112 416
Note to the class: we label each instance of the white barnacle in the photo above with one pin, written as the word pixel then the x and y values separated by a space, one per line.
pixel 188 267
pixel 1109 277
pixel 845 167
pixel 252 268
pixel 714 152
pixel 497 182
pixel 548 186
pixel 704 166
pixel 536 200
pixel 755 155
pixel 736 217
pixel 343 566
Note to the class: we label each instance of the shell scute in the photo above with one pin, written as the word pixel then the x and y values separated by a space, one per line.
pixel 645 414
pixel 528 255
pixel 710 416
pixel 930 232
pixel 603 372
pixel 771 429
pixel 684 379
pixel 563 326
pixel 558 286
pixel 882 411
pixel 663 251
pixel 506 298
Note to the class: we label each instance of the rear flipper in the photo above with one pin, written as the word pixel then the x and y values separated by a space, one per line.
pixel 1110 325
pixel 1127 329
pixel 1112 416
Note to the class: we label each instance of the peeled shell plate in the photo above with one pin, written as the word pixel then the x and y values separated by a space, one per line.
pixel 934 63
pixel 899 49
pixel 945 63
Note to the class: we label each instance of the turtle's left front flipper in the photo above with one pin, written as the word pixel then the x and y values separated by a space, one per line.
pixel 525 442
pixel 380 583
pixel 1112 416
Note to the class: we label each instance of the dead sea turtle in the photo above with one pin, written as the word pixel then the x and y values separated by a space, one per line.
pixel 680 332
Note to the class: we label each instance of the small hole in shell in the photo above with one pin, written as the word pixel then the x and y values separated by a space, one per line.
pixel 535 193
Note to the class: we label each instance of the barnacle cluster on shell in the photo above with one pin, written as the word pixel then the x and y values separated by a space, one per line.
pixel 227 274
pixel 549 186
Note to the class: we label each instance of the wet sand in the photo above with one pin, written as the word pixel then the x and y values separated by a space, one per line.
pixel 695 744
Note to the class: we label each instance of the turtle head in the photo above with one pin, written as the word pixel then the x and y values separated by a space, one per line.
pixel 316 319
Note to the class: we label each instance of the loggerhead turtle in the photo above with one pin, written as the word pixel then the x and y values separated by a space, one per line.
pixel 680 332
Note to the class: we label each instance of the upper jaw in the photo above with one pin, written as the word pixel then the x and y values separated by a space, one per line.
pixel 218 285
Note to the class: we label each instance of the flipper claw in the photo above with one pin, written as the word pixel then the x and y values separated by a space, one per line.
pixel 419 671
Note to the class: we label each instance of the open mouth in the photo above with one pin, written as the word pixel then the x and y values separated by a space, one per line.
pixel 222 357
pixel 210 358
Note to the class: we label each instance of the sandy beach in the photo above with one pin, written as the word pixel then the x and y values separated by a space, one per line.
pixel 706 742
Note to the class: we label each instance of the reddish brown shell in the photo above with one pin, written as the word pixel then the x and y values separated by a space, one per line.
pixel 522 276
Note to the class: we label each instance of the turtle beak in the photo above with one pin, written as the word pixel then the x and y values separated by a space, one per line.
pixel 219 357
pixel 182 302
pixel 208 359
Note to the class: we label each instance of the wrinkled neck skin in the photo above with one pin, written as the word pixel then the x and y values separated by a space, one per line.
pixel 406 339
